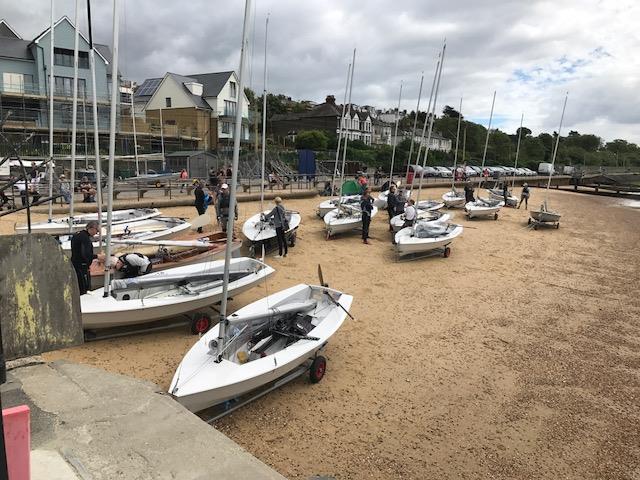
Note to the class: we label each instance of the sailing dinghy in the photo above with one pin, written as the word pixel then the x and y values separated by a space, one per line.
pixel 453 198
pixel 260 231
pixel 483 207
pixel 61 226
pixel 344 219
pixel 496 193
pixel 426 237
pixel 267 339
pixel 168 293
pixel 327 205
pixel 397 222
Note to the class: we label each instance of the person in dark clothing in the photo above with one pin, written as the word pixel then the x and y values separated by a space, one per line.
pixel 133 265
pixel 366 206
pixel 468 193
pixel 278 215
pixel 229 173
pixel 524 196
pixel 199 201
pixel 392 204
pixel 213 179
pixel 505 193
pixel 223 206
pixel 82 255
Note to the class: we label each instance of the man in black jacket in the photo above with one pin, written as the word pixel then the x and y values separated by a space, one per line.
pixel 392 204
pixel 199 202
pixel 82 254
pixel 366 205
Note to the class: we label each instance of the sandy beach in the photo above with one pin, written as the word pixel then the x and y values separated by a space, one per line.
pixel 517 357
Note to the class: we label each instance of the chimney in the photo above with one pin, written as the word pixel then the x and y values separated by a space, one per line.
pixel 330 99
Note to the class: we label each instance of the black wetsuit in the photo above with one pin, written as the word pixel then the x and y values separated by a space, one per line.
pixel 366 205
pixel 199 202
pixel 81 258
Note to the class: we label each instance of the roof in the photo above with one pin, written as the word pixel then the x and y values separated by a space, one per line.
pixel 105 52
pixel 148 87
pixel 197 99
pixel 188 153
pixel 15 48
pixel 212 83
pixel 7 31
pixel 326 109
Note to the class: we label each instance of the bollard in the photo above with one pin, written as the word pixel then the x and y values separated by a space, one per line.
pixel 17 441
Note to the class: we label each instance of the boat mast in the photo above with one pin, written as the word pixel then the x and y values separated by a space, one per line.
pixel 346 137
pixel 455 155
pixel 96 135
pixel 486 142
pixel 395 136
pixel 431 118
pixel 51 87
pixel 115 91
pixel 340 130
pixel 222 329
pixel 427 115
pixel 162 141
pixel 415 123
pixel 513 178
pixel 264 113
pixel 135 136
pixel 555 150
pixel 74 116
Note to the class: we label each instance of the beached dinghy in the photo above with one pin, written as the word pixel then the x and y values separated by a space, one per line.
pixel 429 205
pixel 454 199
pixel 496 194
pixel 259 231
pixel 168 293
pixel 381 201
pixel 267 339
pixel 345 219
pixel 483 207
pixel 143 230
pixel 60 226
pixel 165 254
pixel 397 222
pixel 328 205
pixel 426 237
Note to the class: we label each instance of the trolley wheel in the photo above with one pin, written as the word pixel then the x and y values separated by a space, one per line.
pixel 318 368
pixel 200 323
pixel 158 184
pixel 89 335
pixel 557 225
pixel 529 221
pixel 535 226
pixel 292 239
pixel 328 236
pixel 447 252
pixel 252 251
pixel 495 216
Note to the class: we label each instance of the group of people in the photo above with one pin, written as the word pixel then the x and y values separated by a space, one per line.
pixel 220 198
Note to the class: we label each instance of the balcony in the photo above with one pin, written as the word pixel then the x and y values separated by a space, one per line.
pixel 33 91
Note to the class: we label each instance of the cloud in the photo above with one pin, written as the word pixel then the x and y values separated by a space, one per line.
pixel 530 52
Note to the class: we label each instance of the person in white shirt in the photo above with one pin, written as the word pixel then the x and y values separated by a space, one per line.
pixel 133 264
pixel 410 213
pixel 21 185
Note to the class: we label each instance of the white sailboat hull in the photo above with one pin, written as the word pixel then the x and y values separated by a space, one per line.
pixel 480 209
pixel 429 205
pixel 407 244
pixel 335 223
pixel 327 205
pixel 397 222
pixel 142 232
pixel 453 200
pixel 60 225
pixel 101 312
pixel 511 200
pixel 256 230
pixel 200 382
pixel 381 201
pixel 544 216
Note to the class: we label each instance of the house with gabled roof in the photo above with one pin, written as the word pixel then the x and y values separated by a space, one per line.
pixel 206 103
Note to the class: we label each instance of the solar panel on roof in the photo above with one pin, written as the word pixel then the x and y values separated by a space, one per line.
pixel 148 87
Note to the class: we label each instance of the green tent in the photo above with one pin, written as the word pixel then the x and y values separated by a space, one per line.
pixel 351 187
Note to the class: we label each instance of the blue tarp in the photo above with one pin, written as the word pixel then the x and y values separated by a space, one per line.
pixel 307 162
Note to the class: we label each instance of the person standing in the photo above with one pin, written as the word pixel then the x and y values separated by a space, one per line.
pixel 505 194
pixel 468 193
pixel 65 188
pixel 524 196
pixel 410 213
pixel 392 204
pixel 82 254
pixel 199 202
pixel 183 179
pixel 223 206
pixel 21 185
pixel 278 215
pixel 366 207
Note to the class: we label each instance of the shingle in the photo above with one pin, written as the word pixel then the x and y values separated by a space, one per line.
pixel 14 48
pixel 212 83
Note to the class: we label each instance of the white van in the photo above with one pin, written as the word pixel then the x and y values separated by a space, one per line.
pixel 545 168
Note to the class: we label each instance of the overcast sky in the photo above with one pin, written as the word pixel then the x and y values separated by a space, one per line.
pixel 530 52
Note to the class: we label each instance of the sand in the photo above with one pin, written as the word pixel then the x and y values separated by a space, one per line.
pixel 517 357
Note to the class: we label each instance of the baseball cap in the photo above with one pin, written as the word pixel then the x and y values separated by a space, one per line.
pixel 224 185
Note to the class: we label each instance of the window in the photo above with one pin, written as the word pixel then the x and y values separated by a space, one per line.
pixel 226 127
pixel 167 102
pixel 170 122
pixel 17 83
pixel 64 58
pixel 229 108
pixel 233 89
pixel 64 86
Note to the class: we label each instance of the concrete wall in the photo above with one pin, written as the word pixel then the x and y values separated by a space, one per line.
pixel 39 300
pixel 19 66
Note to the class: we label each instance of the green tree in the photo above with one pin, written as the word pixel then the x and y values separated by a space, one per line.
pixel 312 140
pixel 450 112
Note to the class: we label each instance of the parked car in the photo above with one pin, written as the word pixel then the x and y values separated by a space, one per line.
pixel 568 170
pixel 478 170
pixel 430 172
pixel 470 172
pixel 444 172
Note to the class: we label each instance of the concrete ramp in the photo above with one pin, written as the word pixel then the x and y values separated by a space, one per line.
pixel 39 300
